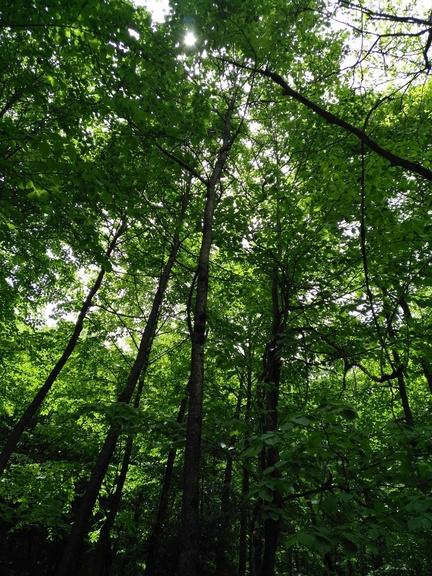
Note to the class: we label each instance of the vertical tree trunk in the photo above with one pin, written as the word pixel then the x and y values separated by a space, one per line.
pixel 244 525
pixel 154 540
pixel 103 547
pixel 222 560
pixel 244 512
pixel 271 380
pixel 191 476
pixel 79 528
pixel 35 404
pixel 256 539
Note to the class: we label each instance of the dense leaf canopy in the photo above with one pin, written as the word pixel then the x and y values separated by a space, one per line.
pixel 215 247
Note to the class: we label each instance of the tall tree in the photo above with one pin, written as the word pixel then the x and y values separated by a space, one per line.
pixel 191 476
pixel 70 556
pixel 33 407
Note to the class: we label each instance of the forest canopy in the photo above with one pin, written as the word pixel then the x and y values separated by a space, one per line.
pixel 216 287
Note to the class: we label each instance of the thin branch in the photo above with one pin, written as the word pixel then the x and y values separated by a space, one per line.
pixel 385 15
pixel 331 118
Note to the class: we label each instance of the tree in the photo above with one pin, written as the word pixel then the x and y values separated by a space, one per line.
pixel 215 276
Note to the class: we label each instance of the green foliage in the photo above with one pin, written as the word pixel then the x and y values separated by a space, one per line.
pixel 106 116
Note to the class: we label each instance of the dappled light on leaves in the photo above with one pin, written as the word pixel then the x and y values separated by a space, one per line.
pixel 215 249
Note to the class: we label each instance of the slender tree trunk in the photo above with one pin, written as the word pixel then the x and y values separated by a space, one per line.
pixel 104 541
pixel 403 392
pixel 79 528
pixel 244 525
pixel 154 540
pixel 256 539
pixel 244 511
pixel 191 476
pixel 396 357
pixel 271 379
pixel 103 554
pixel 222 560
pixel 31 410
pixel 103 549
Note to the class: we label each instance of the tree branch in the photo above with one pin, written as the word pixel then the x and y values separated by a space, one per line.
pixel 331 118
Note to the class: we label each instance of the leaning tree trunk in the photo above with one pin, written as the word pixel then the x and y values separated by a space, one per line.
pixel 103 553
pixel 103 549
pixel 191 477
pixel 72 551
pixel 403 394
pixel 31 410
pixel 103 557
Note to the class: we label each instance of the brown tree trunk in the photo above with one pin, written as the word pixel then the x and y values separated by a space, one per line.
pixel 82 519
pixel 31 410
pixel 403 392
pixel 191 476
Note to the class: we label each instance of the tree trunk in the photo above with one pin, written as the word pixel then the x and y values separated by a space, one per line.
pixel 191 476
pixel 222 560
pixel 31 410
pixel 244 512
pixel 154 540
pixel 403 392
pixel 244 525
pixel 103 549
pixel 103 554
pixel 397 360
pixel 79 528
pixel 271 380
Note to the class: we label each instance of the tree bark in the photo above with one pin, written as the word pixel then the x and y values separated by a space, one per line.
pixel 103 554
pixel 403 391
pixel 103 547
pixel 31 410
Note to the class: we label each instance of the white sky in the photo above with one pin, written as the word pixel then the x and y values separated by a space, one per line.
pixel 157 8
